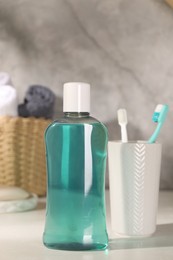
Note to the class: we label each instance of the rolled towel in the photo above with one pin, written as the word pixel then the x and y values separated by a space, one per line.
pixel 8 101
pixel 5 79
pixel 39 102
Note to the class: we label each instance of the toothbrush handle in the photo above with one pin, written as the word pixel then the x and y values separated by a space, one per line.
pixel 124 137
pixel 155 134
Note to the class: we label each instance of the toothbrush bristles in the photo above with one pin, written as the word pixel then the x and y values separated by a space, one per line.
pixel 122 120
pixel 122 116
pixel 156 114
pixel 158 108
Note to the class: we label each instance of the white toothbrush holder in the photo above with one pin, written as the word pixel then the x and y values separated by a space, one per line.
pixel 134 177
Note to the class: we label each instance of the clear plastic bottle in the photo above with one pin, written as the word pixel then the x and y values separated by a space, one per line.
pixel 76 150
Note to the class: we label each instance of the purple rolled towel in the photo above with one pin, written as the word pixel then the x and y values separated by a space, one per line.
pixel 39 102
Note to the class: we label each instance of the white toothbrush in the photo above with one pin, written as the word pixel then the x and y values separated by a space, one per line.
pixel 122 120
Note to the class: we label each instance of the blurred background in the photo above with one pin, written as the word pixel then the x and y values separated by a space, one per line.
pixel 123 48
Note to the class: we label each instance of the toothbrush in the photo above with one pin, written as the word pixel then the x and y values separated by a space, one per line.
pixel 159 117
pixel 122 120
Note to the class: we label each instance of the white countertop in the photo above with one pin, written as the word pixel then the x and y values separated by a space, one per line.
pixel 21 238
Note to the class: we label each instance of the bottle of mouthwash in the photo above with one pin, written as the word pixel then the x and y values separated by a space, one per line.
pixel 76 150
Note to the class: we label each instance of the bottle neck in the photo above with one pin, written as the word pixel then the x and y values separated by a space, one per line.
pixel 76 114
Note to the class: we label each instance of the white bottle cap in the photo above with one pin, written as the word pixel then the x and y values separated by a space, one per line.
pixel 76 97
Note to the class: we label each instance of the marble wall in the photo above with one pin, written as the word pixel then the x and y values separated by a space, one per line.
pixel 123 48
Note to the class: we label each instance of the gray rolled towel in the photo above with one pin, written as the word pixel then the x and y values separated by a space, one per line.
pixel 39 102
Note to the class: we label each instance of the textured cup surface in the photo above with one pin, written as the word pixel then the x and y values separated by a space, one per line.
pixel 134 175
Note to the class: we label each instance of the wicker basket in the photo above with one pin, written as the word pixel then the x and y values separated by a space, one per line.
pixel 22 153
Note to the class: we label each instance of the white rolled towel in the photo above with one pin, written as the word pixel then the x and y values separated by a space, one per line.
pixel 5 79
pixel 8 101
